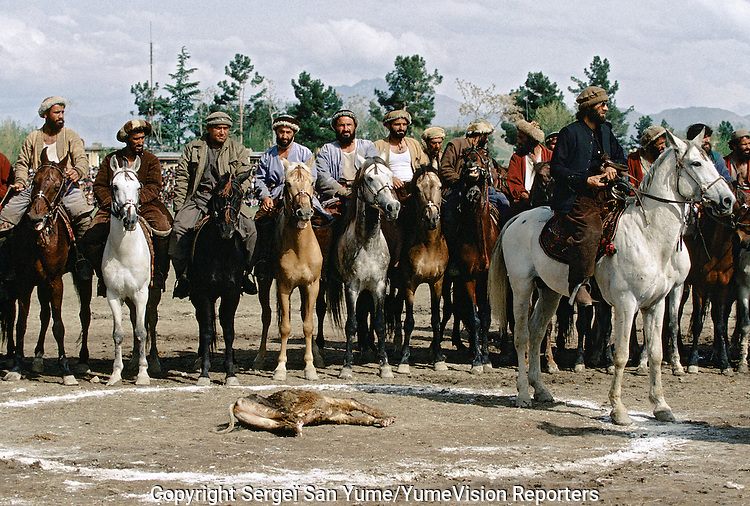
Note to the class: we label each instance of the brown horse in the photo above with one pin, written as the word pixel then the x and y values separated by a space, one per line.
pixel 298 263
pixel 41 248
pixel 424 257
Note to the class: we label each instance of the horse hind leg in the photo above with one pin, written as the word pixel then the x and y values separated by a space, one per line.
pixel 285 328
pixel 227 311
pixel 45 313
pixel 152 319
pixel 309 295
pixel 84 316
pixel 543 311
pixel 264 296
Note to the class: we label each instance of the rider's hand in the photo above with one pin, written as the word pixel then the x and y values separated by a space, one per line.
pixel 72 174
pixel 610 172
pixel 267 204
pixel 343 192
pixel 597 181
pixel 397 183
pixel 18 186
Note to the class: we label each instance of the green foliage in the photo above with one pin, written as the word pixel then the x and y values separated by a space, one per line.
pixel 510 133
pixel 552 117
pixel 232 99
pixel 179 122
pixel 598 75
pixel 12 135
pixel 666 125
pixel 317 105
pixel 151 107
pixel 538 91
pixel 722 135
pixel 640 127
pixel 412 88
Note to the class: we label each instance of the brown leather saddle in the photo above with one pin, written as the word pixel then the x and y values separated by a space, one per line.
pixel 554 237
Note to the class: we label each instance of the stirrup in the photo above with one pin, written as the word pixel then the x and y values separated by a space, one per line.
pixel 249 286
pixel 181 287
pixel 584 298
pixel 83 268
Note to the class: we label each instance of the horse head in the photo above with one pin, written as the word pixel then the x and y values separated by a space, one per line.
pixel 374 186
pixel 541 189
pixel 475 173
pixel 428 196
pixel 226 202
pixel 125 188
pixel 47 190
pixel 298 191
pixel 697 178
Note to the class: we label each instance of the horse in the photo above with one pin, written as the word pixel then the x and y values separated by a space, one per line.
pixel 742 278
pixel 476 236
pixel 40 252
pixel 216 272
pixel 424 258
pixel 361 256
pixel 649 263
pixel 298 263
pixel 126 265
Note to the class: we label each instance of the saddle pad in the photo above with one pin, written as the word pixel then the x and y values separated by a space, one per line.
pixel 554 237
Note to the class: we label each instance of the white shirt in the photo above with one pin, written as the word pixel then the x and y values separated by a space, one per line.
pixel 400 164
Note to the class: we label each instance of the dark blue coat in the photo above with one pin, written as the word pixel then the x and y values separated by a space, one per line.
pixel 577 157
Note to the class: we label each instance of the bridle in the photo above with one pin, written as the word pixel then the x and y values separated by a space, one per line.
pixel 375 194
pixel 429 204
pixel 295 201
pixel 230 211
pixel 120 211
pixel 54 204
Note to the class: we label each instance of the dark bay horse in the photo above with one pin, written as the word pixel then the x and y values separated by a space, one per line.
pixel 216 272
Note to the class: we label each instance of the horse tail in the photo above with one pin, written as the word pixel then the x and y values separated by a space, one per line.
pixel 498 284
pixel 230 425
pixel 334 291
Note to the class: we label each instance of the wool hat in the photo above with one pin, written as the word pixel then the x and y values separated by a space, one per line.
pixel 480 127
pixel 651 134
pixel 218 118
pixel 433 132
pixel 343 112
pixel 590 96
pixel 396 114
pixel 552 135
pixel 532 130
pixel 738 134
pixel 285 120
pixel 695 129
pixel 48 102
pixel 134 125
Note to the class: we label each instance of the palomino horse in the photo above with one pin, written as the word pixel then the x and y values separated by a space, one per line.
pixel 216 271
pixel 126 265
pixel 299 263
pixel 41 249
pixel 361 256
pixel 477 234
pixel 650 261
pixel 424 257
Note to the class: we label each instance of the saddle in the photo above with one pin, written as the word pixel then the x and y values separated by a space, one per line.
pixel 554 238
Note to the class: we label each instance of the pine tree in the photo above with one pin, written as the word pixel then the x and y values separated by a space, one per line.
pixel 179 121
pixel 233 100
pixel 538 91
pixel 640 127
pixel 316 106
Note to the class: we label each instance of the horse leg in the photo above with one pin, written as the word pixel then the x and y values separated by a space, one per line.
pixel 84 315
pixel 583 328
pixel 521 303
pixel 264 296
pixel 641 352
pixel 205 313
pixel 485 317
pixel 394 307
pixel 58 330
pixel 309 296
pixel 379 328
pixel 118 335
pixel 350 328
pixel 403 366
pixel 624 313
pixel 564 327
pixel 227 310
pixel 320 310
pixel 44 296
pixel 437 335
pixel 365 331
pixel 672 334
pixel 152 319
pixel 743 323
pixel 141 336
pixel 24 301
pixel 653 319
pixel 601 333
pixel 473 326
pixel 543 312
pixel 696 326
pixel 721 334
pixel 283 295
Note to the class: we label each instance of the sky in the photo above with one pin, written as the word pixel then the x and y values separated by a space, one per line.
pixel 664 54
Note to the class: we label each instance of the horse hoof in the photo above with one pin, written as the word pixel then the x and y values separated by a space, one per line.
pixel 543 396
pixel 12 376
pixel 70 380
pixel 552 369
pixel 611 370
pixel 37 365
pixel 441 366
pixel 579 368
pixel 742 369
pixel 620 417
pixel 728 372
pixel 143 381
pixel 386 371
pixel 642 370
pixel 82 368
pixel 693 369
pixel 259 364
pixel 279 375
pixel 678 371
pixel 346 373
pixel 204 381
pixel 114 380
pixel 311 374
pixel 477 369
pixel 403 369
pixel 523 402
pixel 488 368
pixel 318 362
pixel 232 381
pixel 664 415
pixel 154 368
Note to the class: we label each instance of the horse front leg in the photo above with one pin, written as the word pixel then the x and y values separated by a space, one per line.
pixel 309 295
pixel 403 366
pixel 152 319
pixel 473 325
pixel 24 300
pixel 58 330
pixel 350 329
pixel 437 334
pixel 485 317
pixel 283 295
pixel 672 334
pixel 584 322
pixel 227 310
pixel 379 327
pixel 205 313
pixel 624 313
pixel 44 295
pixel 264 296
pixel 721 334
pixel 118 334
pixel 320 310
pixel 653 320
pixel 84 316
pixel 141 336
pixel 696 327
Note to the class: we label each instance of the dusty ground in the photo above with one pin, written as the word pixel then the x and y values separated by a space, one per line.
pixel 457 437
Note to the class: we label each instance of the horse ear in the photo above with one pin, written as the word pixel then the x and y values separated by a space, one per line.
pixel 286 164
pixel 678 144
pixel 63 162
pixel 113 165
pixel 44 159
pixel 310 163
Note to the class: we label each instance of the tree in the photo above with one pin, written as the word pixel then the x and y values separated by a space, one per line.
pixel 316 106
pixel 598 75
pixel 666 125
pixel 412 89
pixel 640 127
pixel 486 103
pixel 552 117
pixel 536 92
pixel 179 119
pixel 239 71
pixel 723 134
pixel 151 107
pixel 12 135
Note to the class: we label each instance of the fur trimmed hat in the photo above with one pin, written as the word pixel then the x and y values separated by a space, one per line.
pixel 285 120
pixel 531 130
pixel 737 135
pixel 48 102
pixel 134 125
pixel 480 127
pixel 339 114
pixel 433 132
pixel 651 134
pixel 590 96
pixel 396 114
pixel 218 118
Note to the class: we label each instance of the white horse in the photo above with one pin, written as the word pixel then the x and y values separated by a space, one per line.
pixel 650 262
pixel 126 265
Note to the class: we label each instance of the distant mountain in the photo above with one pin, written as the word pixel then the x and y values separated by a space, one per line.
pixel 683 117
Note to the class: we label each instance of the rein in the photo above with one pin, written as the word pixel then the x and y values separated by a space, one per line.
pixel 120 211
pixel 53 206
pixel 680 169
pixel 231 215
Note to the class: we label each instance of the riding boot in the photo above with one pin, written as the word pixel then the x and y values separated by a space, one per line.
pixel 182 285
pixel 265 226
pixel 580 294
pixel 161 262
pixel 83 267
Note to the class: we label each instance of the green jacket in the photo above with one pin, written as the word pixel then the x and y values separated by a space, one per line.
pixel 68 144
pixel 232 158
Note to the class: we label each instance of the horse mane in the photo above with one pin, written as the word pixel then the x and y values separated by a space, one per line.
pixel 351 210
pixel 648 175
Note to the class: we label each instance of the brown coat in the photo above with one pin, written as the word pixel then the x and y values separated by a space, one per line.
pixel 68 144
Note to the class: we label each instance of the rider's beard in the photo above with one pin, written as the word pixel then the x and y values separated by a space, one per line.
pixel 743 156
pixel 283 143
pixel 345 137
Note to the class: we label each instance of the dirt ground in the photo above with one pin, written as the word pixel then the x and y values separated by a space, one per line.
pixel 457 437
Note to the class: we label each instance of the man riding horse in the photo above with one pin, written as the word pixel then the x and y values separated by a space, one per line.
pixel 133 134
pixel 202 163
pixel 580 168
pixel 653 142
pixel 529 152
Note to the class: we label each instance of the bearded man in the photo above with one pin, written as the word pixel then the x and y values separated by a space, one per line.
pixel 721 167
pixel 403 154
pixel 738 159
pixel 529 152
pixel 581 170
pixel 432 139
pixel 653 143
